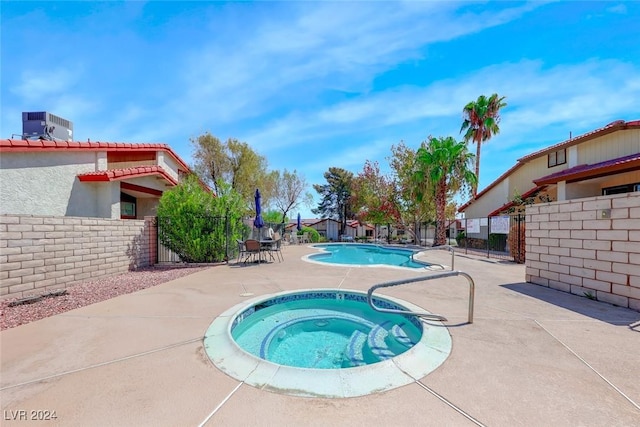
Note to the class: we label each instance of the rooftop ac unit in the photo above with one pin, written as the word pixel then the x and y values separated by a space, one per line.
pixel 44 125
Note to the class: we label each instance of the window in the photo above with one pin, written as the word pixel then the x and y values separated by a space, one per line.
pixel 620 189
pixel 127 206
pixel 557 158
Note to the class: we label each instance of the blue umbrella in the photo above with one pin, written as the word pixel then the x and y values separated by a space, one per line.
pixel 299 222
pixel 258 222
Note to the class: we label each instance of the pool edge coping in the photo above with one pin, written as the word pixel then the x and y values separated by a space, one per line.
pixel 406 368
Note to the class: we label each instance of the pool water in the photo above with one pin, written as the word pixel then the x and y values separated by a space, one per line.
pixel 334 330
pixel 354 254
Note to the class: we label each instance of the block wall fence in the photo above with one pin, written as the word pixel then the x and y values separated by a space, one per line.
pixel 589 247
pixel 39 254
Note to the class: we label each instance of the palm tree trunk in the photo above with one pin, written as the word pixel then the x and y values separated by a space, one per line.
pixel 441 204
pixel 475 187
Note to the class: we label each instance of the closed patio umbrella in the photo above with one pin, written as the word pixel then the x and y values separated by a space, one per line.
pixel 258 222
pixel 299 222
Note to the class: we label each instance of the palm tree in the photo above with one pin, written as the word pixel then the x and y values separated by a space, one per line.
pixel 481 119
pixel 443 167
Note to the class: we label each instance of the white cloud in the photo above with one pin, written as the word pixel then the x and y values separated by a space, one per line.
pixel 619 8
pixel 536 97
pixel 307 49
pixel 45 82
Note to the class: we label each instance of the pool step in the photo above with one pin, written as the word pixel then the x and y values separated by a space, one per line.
pixel 401 336
pixel 377 344
pixel 355 348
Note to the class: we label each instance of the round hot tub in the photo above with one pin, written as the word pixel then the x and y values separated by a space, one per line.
pixel 328 343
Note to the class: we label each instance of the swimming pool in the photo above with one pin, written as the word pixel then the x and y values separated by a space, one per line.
pixel 347 350
pixel 351 254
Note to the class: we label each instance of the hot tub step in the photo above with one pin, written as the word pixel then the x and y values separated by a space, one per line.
pixel 401 336
pixel 377 344
pixel 355 348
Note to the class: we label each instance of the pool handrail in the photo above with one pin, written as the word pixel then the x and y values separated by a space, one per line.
pixel 448 247
pixel 424 314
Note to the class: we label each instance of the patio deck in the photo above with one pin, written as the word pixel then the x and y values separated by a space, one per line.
pixel 533 356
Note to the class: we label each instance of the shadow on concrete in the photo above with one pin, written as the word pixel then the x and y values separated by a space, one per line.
pixel 599 310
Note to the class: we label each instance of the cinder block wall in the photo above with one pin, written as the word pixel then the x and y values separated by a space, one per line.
pixel 45 253
pixel 589 247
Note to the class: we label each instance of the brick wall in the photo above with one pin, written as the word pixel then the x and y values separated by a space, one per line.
pixel 589 247
pixel 43 253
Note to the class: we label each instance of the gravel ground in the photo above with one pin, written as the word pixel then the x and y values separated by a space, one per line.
pixel 87 293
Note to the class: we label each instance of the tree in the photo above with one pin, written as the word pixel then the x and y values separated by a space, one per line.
pixel 336 196
pixel 481 119
pixel 443 166
pixel 273 217
pixel 289 191
pixel 412 210
pixel 374 197
pixel 232 162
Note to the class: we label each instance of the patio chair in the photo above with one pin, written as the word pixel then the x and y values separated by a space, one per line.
pixel 241 249
pixel 252 248
pixel 276 247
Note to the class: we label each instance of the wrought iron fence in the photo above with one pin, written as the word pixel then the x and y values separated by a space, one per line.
pixel 204 239
pixel 251 232
pixel 500 237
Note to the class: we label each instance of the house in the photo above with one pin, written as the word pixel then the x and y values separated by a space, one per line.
pixel 330 228
pixel 601 162
pixel 85 179
pixel 327 228
pixel 359 229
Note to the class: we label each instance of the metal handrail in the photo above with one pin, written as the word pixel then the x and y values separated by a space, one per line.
pixel 424 314
pixel 449 247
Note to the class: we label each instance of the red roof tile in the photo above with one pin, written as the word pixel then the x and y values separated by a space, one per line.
pixel 120 174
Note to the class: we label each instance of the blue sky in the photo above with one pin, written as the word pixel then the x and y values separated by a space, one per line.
pixel 311 85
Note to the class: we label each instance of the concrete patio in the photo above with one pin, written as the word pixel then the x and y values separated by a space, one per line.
pixel 533 356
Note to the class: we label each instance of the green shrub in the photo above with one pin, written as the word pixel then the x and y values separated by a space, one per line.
pixel 497 242
pixel 460 237
pixel 314 236
pixel 196 225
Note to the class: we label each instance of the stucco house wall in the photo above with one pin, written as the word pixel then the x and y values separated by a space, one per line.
pixel 169 164
pixel 497 195
pixel 48 184
pixel 589 247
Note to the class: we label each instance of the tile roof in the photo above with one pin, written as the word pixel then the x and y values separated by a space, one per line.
pixel 120 174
